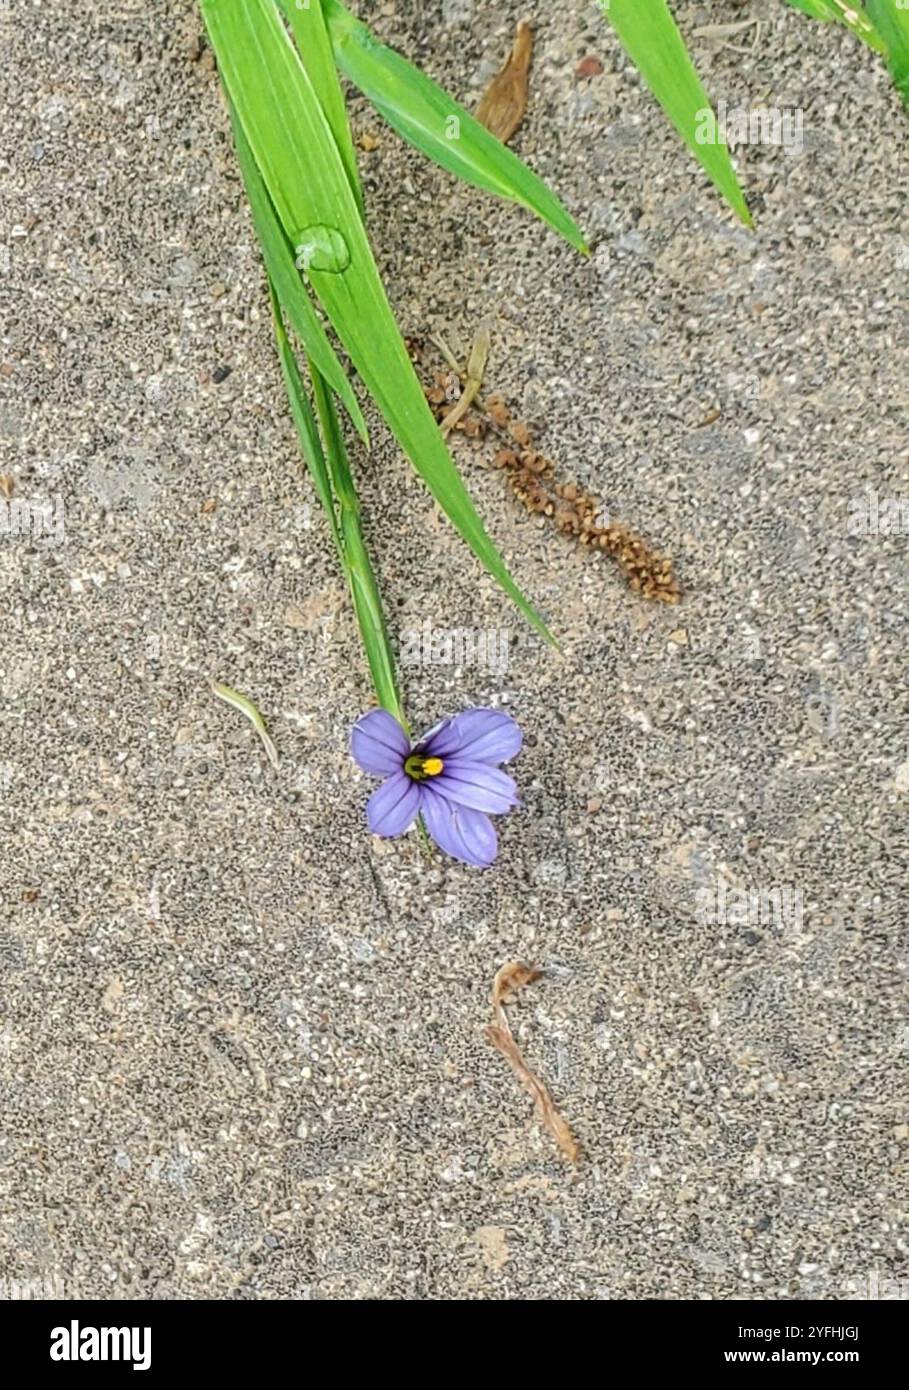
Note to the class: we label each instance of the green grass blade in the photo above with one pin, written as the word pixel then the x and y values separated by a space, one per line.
pixel 294 148
pixel 308 24
pixel 360 574
pixel 428 118
pixel 330 477
pixel 279 263
pixel 848 12
pixel 303 418
pixel 649 35
pixel 891 20
pixel 882 24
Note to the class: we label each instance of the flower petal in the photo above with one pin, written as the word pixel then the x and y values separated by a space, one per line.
pixel 378 743
pixel 461 832
pixel 480 735
pixel 478 785
pixel 394 806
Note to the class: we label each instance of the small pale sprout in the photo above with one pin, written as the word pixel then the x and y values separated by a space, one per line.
pixel 246 707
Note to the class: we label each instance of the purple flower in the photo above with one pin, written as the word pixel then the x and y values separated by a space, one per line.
pixel 450 778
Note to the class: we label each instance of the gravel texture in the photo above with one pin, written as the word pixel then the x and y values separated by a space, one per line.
pixel 241 1045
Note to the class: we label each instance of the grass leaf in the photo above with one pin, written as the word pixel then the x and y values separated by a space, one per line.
pixel 332 476
pixel 293 146
pixel 358 567
pixel 428 118
pixel 891 20
pixel 303 418
pixel 649 35
pixel 308 24
pixel 292 293
pixel 848 12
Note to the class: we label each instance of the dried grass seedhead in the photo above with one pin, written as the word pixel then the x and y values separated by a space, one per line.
pixel 531 475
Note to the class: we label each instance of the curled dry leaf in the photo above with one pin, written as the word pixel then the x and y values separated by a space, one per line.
pixel 504 102
pixel 508 981
pixel 475 369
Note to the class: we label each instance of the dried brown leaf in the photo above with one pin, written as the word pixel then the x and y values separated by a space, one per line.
pixel 508 981
pixel 504 102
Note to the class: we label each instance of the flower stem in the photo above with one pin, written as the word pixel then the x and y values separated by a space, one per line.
pixel 354 555
pixel 332 478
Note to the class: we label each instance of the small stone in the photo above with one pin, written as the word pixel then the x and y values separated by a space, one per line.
pixel 589 67
pixel 114 992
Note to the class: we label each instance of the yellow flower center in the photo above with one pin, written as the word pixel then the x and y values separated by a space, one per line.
pixel 419 768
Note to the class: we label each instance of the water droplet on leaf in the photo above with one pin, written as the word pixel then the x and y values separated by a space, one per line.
pixel 321 248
